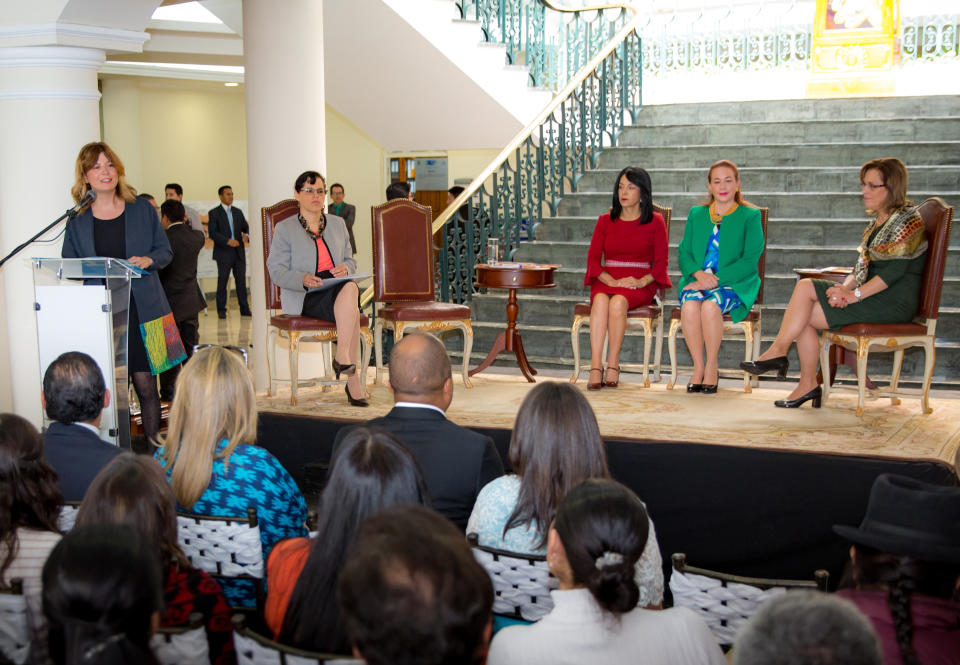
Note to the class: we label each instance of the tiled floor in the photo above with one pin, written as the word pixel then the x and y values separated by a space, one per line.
pixel 234 330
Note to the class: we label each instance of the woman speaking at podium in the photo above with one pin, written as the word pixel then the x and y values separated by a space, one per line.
pixel 119 225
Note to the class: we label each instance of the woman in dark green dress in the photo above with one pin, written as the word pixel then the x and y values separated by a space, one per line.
pixel 883 287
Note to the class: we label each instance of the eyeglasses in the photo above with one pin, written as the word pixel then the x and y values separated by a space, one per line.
pixel 311 190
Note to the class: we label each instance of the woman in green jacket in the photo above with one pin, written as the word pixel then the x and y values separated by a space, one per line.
pixel 722 243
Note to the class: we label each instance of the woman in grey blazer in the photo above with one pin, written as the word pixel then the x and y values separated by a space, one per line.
pixel 308 250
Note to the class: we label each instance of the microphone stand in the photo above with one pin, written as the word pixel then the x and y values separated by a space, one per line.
pixel 71 213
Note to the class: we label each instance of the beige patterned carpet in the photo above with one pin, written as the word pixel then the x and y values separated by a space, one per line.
pixel 730 417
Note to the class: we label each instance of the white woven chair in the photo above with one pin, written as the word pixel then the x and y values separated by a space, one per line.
pixel 182 645
pixel 68 515
pixel 725 602
pixel 255 649
pixel 521 582
pixel 223 547
pixel 14 632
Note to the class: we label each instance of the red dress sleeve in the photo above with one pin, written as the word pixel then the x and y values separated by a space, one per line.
pixel 595 253
pixel 660 253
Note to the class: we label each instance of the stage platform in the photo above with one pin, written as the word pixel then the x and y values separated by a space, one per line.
pixel 736 483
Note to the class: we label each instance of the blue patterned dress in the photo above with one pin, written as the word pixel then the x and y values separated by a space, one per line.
pixel 723 296
pixel 253 478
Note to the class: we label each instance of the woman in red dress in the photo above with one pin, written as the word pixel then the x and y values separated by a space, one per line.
pixel 626 264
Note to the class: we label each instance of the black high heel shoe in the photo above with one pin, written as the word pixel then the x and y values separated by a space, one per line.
pixel 694 387
pixel 816 394
pixel 339 369
pixel 353 400
pixel 757 367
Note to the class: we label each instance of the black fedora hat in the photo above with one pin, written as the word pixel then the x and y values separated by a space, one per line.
pixel 910 518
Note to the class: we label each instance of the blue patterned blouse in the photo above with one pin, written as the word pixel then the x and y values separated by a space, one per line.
pixel 252 478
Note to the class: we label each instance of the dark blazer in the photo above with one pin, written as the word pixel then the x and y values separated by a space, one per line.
pixel 77 455
pixel 144 237
pixel 179 277
pixel 349 215
pixel 219 229
pixel 456 462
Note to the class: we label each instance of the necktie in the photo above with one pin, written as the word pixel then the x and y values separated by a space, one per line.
pixel 230 222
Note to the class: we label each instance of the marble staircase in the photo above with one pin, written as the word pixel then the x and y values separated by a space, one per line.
pixel 799 158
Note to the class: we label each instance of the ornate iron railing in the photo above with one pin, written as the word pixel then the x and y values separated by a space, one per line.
pixel 553 42
pixel 929 38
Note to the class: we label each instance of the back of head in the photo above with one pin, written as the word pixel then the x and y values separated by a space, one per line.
pixel 411 591
pixel 215 401
pixel 173 210
pixel 372 470
pixel 73 388
pixel 132 490
pixel 398 190
pixel 807 628
pixel 419 367
pixel 604 528
pixel 101 587
pixel 555 445
pixel 29 496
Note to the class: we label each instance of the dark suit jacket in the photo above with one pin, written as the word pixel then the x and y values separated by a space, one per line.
pixel 77 455
pixel 456 462
pixel 349 215
pixel 179 277
pixel 219 228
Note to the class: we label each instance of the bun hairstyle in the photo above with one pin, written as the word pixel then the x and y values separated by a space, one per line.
pixel 604 528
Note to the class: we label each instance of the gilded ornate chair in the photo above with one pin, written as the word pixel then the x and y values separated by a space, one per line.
pixel 895 337
pixel 725 602
pixel 299 328
pixel 648 319
pixel 403 279
pixel 750 327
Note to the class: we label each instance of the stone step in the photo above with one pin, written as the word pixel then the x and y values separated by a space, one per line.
pixel 557 310
pixel 852 155
pixel 793 204
pixel 549 346
pixel 869 110
pixel 778 286
pixel 821 130
pixel 780 258
pixel 843 232
pixel 762 179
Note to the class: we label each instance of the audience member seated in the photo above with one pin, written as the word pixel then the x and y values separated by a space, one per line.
pixel 457 462
pixel 30 506
pixel 555 445
pixel 807 628
pixel 411 592
pixel 905 569
pixel 132 490
pixel 626 265
pixel 371 471
pixel 593 545
pixel 102 595
pixel 399 190
pixel 213 464
pixel 74 397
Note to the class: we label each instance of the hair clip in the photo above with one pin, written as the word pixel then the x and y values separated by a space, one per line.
pixel 101 645
pixel 608 559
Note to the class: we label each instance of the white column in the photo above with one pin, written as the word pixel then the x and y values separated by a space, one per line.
pixel 121 126
pixel 286 133
pixel 48 110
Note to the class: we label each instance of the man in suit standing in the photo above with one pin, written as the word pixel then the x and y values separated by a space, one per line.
pixel 74 396
pixel 228 230
pixel 174 192
pixel 179 280
pixel 343 210
pixel 456 462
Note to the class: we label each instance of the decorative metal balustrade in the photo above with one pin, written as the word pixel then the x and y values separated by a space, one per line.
pixel 930 38
pixel 552 41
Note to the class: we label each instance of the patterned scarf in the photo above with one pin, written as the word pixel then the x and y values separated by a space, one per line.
pixel 323 225
pixel 902 236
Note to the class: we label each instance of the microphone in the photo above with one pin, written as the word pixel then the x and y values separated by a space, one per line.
pixel 87 199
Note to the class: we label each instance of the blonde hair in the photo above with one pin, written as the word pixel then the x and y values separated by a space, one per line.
pixel 89 154
pixel 738 197
pixel 214 401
